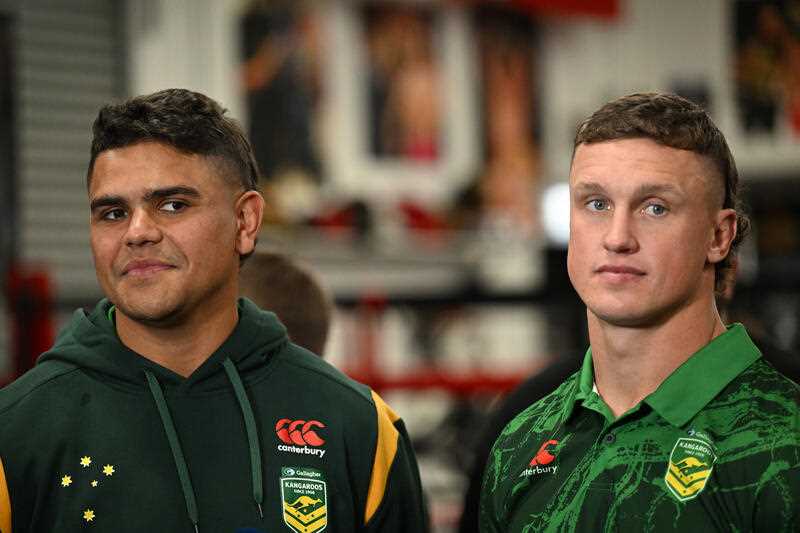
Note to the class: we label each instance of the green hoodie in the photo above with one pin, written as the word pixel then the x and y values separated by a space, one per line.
pixel 98 438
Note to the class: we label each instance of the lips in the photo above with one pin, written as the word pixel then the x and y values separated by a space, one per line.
pixel 620 269
pixel 144 267
pixel 619 275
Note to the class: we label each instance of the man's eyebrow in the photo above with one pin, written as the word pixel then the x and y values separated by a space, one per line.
pixel 587 187
pixel 166 192
pixel 647 189
pixel 107 201
pixel 154 194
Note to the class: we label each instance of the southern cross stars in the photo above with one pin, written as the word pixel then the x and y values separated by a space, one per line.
pixel 86 462
pixel 88 515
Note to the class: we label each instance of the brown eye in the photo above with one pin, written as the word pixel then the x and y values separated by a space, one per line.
pixel 113 214
pixel 173 206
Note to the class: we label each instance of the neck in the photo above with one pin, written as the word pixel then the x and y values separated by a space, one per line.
pixel 180 347
pixel 631 362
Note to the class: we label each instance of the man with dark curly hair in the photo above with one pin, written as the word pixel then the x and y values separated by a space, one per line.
pixel 174 405
pixel 674 422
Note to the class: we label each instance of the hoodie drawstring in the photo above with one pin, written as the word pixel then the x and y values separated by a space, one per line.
pixel 252 433
pixel 177 453
pixel 175 446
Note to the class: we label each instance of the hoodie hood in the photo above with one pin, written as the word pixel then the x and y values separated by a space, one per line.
pixel 90 342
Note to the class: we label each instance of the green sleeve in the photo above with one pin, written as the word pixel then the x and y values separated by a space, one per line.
pixel 488 520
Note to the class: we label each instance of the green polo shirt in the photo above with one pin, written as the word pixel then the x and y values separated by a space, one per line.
pixel 715 448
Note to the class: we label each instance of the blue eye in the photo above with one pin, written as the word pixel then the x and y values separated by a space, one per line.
pixel 597 205
pixel 656 210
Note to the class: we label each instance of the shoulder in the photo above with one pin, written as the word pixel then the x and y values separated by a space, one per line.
pixel 522 432
pixel 37 382
pixel 758 413
pixel 319 377
pixel 534 389
pixel 760 386
pixel 541 414
pixel 763 372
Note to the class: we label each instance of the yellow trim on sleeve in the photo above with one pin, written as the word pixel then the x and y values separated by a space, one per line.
pixel 5 503
pixel 385 451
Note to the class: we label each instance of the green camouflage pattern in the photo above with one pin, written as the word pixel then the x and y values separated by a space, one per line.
pixel 715 448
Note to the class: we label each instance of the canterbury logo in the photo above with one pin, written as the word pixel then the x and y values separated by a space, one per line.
pixel 545 456
pixel 299 432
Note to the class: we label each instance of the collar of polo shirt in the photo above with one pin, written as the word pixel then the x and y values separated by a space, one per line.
pixel 691 386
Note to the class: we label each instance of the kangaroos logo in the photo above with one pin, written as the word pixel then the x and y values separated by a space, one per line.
pixel 690 466
pixel 304 499
pixel 298 435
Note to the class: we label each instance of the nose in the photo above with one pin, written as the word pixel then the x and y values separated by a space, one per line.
pixel 619 236
pixel 142 229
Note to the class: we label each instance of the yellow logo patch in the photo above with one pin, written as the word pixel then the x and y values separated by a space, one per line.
pixel 690 465
pixel 304 498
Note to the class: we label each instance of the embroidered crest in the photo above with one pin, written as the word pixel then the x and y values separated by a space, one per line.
pixel 304 499
pixel 690 466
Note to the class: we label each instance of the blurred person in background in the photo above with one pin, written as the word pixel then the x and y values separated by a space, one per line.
pixel 174 405
pixel 277 283
pixel 786 363
pixel 674 420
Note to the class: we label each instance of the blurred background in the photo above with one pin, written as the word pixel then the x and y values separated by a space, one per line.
pixel 415 154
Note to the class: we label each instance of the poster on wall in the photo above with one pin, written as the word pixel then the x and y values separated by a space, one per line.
pixel 403 108
pixel 509 182
pixel 281 74
pixel 404 78
pixel 764 100
pixel 767 67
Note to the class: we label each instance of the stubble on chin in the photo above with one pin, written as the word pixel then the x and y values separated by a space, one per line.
pixel 158 315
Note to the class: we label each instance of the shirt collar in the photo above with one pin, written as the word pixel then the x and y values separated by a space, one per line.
pixel 583 385
pixel 701 377
pixel 692 385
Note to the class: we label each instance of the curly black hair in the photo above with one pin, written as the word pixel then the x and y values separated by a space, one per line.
pixel 185 120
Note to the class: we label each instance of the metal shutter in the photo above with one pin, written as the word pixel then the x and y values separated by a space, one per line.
pixel 69 63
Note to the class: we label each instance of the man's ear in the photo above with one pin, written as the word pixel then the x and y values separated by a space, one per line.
pixel 723 236
pixel 249 212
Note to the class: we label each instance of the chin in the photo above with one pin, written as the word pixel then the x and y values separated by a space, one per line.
pixel 623 321
pixel 161 314
pixel 629 316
